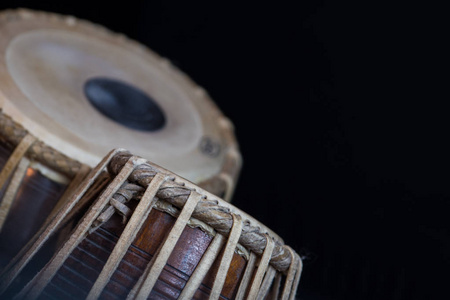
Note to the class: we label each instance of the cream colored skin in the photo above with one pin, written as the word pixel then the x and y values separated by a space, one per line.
pixel 46 59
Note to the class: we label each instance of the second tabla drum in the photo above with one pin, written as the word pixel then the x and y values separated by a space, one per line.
pixel 70 91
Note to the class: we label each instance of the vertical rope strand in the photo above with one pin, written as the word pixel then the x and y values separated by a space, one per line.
pixel 246 277
pixel 275 288
pixel 128 235
pixel 9 168
pixel 11 190
pixel 290 276
pixel 159 261
pixel 133 292
pixel 267 282
pixel 40 281
pixel 202 268
pixel 262 268
pixel 297 278
pixel 13 269
pixel 222 272
pixel 71 188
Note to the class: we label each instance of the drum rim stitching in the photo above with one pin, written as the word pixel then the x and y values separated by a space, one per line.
pixel 130 191
pixel 166 207
pixel 282 257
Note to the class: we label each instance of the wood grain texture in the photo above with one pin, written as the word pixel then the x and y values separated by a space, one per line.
pixel 155 256
pixel 79 272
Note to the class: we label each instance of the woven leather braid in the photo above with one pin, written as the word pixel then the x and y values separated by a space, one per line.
pixel 125 193
pixel 12 133
pixel 208 211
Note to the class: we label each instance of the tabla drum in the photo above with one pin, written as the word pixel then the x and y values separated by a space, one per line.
pixel 178 242
pixel 69 92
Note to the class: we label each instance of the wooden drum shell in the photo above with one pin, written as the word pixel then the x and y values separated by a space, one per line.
pixel 61 154
pixel 137 230
pixel 158 256
pixel 44 91
pixel 77 275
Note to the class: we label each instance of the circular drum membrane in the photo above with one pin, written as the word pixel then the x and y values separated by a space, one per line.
pixel 84 90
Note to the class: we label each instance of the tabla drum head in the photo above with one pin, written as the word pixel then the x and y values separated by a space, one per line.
pixel 84 90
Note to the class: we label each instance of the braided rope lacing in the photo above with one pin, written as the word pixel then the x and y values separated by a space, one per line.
pixel 12 133
pixel 208 210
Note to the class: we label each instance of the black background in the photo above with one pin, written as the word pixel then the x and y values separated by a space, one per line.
pixel 340 109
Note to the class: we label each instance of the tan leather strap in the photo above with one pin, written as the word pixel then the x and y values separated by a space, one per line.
pixel 16 158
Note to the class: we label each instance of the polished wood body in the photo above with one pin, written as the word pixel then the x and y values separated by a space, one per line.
pixel 79 272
